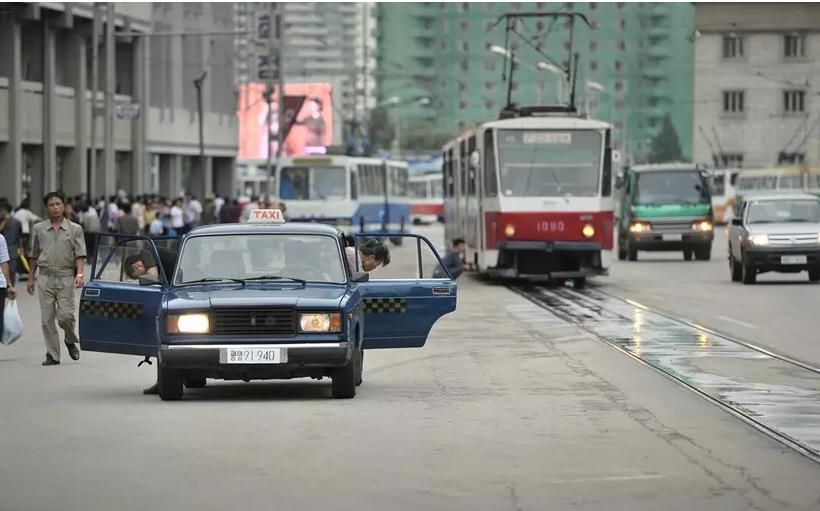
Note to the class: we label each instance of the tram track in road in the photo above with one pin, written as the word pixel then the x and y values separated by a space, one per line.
pixel 773 393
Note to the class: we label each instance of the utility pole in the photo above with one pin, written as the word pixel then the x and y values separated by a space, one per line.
pixel 198 82
pixel 108 121
pixel 277 28
pixel 91 175
pixel 268 94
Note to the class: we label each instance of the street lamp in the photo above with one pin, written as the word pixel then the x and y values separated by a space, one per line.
pixel 498 50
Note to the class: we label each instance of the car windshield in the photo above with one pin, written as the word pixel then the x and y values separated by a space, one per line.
pixel 308 257
pixel 313 183
pixel 670 187
pixel 776 211
pixel 550 163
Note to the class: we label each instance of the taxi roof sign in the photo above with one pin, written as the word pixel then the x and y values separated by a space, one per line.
pixel 266 216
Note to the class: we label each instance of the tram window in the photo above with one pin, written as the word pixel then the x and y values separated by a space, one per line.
pixel 462 169
pixel 354 185
pixel 436 189
pixel 450 186
pixel 606 178
pixel 718 182
pixel 471 172
pixel 490 179
pixel 398 181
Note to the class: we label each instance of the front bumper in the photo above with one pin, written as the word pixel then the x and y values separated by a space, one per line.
pixel 298 360
pixel 670 240
pixel 548 260
pixel 770 258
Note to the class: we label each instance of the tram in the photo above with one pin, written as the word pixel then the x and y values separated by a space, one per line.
pixel 426 198
pixel 355 194
pixel 531 195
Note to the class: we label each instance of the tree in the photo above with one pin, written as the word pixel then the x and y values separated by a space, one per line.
pixel 380 129
pixel 666 146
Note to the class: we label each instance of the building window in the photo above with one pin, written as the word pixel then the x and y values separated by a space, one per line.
pixel 620 5
pixel 790 158
pixel 731 160
pixel 794 46
pixel 465 6
pixel 462 105
pixel 566 45
pixel 539 25
pixel 622 45
pixel 462 86
pixel 732 47
pixel 619 85
pixel 443 45
pixel 489 86
pixel 489 64
pixel 593 45
pixel 465 66
pixel 594 25
pixel 733 101
pixel 623 25
pixel 540 46
pixel 465 25
pixel 619 65
pixel 794 101
pixel 465 46
pixel 593 66
pixel 489 105
pixel 593 6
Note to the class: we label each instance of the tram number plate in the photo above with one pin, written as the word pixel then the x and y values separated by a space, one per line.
pixel 793 259
pixel 672 237
pixel 251 356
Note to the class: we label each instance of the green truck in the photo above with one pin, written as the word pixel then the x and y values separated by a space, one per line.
pixel 665 207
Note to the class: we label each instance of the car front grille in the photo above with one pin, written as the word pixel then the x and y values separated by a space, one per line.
pixel 673 227
pixel 268 322
pixel 793 240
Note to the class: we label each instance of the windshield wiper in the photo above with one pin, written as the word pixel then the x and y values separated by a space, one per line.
pixel 564 194
pixel 275 277
pixel 806 220
pixel 213 279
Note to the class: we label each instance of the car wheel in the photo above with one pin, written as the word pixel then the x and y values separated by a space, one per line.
pixel 170 384
pixel 749 272
pixel 687 254
pixel 344 380
pixel 621 251
pixel 195 383
pixel 736 269
pixel 703 253
pixel 360 370
pixel 814 274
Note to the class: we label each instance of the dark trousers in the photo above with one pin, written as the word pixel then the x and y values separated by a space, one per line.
pixel 14 269
pixel 2 306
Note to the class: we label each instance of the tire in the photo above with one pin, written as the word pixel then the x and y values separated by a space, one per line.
pixel 814 274
pixel 170 384
pixel 749 272
pixel 735 268
pixel 195 383
pixel 621 251
pixel 343 384
pixel 360 372
pixel 703 253
pixel 687 254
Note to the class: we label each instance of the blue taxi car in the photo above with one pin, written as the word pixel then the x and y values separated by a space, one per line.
pixel 263 300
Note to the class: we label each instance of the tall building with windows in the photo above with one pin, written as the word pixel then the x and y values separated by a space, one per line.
pixel 637 58
pixel 756 102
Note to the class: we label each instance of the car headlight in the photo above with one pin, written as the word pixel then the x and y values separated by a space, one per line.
pixel 509 230
pixel 759 239
pixel 703 226
pixel 198 323
pixel 588 231
pixel 318 322
pixel 640 227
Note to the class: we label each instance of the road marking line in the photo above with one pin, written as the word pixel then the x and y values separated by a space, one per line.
pixel 639 477
pixel 570 338
pixel 737 322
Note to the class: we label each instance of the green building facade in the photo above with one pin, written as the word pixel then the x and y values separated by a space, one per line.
pixel 443 65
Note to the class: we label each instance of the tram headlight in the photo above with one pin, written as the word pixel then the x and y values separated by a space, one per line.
pixel 639 227
pixel 588 231
pixel 509 230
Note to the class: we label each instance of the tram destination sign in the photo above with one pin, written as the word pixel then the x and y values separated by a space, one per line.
pixel 546 137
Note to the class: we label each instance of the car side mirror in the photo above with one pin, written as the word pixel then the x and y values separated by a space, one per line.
pixel 737 221
pixel 148 280
pixel 360 276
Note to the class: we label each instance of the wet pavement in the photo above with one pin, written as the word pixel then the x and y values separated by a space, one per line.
pixel 777 395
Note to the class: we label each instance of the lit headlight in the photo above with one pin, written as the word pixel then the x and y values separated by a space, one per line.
pixel 818 237
pixel 704 226
pixel 759 239
pixel 509 230
pixel 315 322
pixel 640 227
pixel 198 323
pixel 588 231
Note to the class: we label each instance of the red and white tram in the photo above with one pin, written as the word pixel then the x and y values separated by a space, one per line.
pixel 426 200
pixel 532 195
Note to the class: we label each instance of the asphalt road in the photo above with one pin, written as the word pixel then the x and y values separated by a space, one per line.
pixel 778 313
pixel 507 407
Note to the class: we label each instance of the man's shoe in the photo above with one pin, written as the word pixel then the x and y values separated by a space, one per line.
pixel 49 361
pixel 152 390
pixel 73 351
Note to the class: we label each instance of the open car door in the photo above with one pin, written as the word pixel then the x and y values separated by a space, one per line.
pixel 402 300
pixel 117 313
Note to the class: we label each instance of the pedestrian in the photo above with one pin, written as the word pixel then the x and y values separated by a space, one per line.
pixel 452 261
pixel 27 219
pixel 90 222
pixel 372 254
pixel 128 223
pixel 6 283
pixel 12 230
pixel 58 250
pixel 177 221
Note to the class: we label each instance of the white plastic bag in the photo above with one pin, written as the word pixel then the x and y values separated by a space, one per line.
pixel 12 323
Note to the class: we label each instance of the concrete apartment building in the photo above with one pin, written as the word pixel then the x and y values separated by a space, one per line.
pixel 46 103
pixel 757 82
pixel 641 53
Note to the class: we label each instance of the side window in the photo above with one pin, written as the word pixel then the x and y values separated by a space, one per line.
pixel 719 184
pixel 462 169
pixel 471 172
pixel 354 184
pixel 125 260
pixel 490 179
pixel 450 184
pixel 606 174
pixel 413 259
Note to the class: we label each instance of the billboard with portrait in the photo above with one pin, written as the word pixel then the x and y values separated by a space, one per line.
pixel 308 123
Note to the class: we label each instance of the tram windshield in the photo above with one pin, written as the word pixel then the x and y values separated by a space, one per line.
pixel 550 163
pixel 313 183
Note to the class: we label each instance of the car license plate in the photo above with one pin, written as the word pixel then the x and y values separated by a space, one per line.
pixel 247 355
pixel 672 237
pixel 793 259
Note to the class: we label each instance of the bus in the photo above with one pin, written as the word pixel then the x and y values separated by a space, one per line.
pixel 532 195
pixel 426 198
pixel 722 185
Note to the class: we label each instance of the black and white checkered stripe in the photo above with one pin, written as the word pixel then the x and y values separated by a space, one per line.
pixel 385 305
pixel 115 310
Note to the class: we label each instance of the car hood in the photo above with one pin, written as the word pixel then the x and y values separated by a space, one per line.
pixel 784 228
pixel 224 296
pixel 646 211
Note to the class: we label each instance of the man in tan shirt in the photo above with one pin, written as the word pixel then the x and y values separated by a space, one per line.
pixel 58 250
